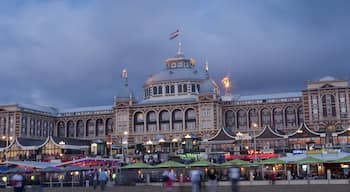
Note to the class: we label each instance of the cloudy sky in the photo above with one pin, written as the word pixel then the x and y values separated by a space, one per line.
pixel 70 53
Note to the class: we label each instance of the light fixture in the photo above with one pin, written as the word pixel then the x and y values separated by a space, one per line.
pixel 239 134
pixel 188 136
pixel 125 133
pixel 299 131
pixel 149 142
pixel 174 140
pixel 61 143
pixel 161 140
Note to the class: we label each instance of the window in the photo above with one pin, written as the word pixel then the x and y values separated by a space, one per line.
pixel 167 89
pixel 160 90
pixel 328 106
pixel 185 88
pixel 154 90
pixel 229 119
pixel 172 89
pixel 193 88
pixel 179 88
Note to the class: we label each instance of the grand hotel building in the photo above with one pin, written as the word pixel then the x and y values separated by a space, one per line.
pixel 182 101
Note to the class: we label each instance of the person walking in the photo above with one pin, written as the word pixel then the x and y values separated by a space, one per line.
pixel 95 180
pixel 17 183
pixel 169 176
pixel 212 176
pixel 102 179
pixel 195 176
pixel 234 175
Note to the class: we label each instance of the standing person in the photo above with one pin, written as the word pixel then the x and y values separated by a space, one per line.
pixel 17 183
pixel 195 176
pixel 273 178
pixel 169 176
pixel 102 178
pixel 234 175
pixel 212 176
pixel 95 180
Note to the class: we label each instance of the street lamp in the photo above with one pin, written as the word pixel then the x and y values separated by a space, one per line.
pixel 62 143
pixel 254 129
pixel 125 145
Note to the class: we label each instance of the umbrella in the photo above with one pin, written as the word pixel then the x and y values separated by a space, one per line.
pixel 309 160
pixel 50 170
pixel 202 163
pixel 271 161
pixel 345 159
pixel 138 165
pixel 236 162
pixel 168 164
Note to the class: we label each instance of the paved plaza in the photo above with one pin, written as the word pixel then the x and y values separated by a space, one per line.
pixel 264 188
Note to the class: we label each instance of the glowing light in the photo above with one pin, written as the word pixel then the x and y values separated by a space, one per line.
pixel 206 66
pixel 125 133
pixel 188 136
pixel 174 140
pixel 149 142
pixel 226 82
pixel 255 125
pixel 124 73
pixel 161 140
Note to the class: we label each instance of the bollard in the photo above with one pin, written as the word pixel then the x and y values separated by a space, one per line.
pixel 329 175
pixel 148 178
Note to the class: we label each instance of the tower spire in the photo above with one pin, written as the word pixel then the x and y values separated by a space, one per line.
pixel 179 52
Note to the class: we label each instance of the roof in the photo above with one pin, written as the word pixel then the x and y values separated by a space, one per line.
pixel 304 132
pixel 327 78
pixel 71 141
pixel 87 109
pixel 33 164
pixel 223 134
pixel 30 143
pixel 267 132
pixel 185 74
pixel 39 108
pixel 208 86
pixel 270 96
pixel 170 99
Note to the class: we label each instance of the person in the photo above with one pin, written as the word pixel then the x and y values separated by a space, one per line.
pixel 195 176
pixel 169 177
pixel 95 180
pixel 212 176
pixel 273 178
pixel 17 183
pixel 234 175
pixel 102 179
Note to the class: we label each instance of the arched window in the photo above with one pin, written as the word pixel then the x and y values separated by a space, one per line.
pixel 51 131
pixel 32 127
pixel 300 115
pixel 167 89
pixel 38 128
pixel 328 106
pixel 70 129
pixel 242 119
pixel 80 129
pixel 277 118
pixel 172 89
pixel 160 90
pixel 151 122
pixel 177 120
pixel 190 117
pixel 229 119
pixel 99 127
pixel 61 132
pixel 265 117
pixel 253 117
pixel 185 88
pixel 155 91
pixel 90 128
pixel 179 88
pixel 164 121
pixel 138 122
pixel 290 117
pixel 109 126
pixel 45 128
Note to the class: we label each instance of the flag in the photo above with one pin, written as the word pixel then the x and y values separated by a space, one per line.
pixel 124 74
pixel 173 35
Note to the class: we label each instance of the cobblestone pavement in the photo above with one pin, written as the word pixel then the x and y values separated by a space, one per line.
pixel 264 188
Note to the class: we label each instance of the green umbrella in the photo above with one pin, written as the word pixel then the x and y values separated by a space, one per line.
pixel 236 162
pixel 169 164
pixel 271 161
pixel 138 165
pixel 309 160
pixel 345 159
pixel 202 163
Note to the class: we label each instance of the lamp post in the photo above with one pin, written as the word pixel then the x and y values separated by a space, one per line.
pixel 125 145
pixel 254 137
pixel 62 143
pixel 7 138
pixel 239 138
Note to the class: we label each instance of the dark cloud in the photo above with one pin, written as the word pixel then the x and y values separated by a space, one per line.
pixel 70 53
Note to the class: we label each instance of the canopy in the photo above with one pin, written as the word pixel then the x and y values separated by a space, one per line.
pixel 138 165
pixel 202 163
pixel 169 164
pixel 271 161
pixel 75 168
pixel 309 160
pixel 18 170
pixel 345 159
pixel 236 162
pixel 50 170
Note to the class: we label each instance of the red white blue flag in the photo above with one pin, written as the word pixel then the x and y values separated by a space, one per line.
pixel 173 35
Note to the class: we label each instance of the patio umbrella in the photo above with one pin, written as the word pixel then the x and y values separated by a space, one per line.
pixel 138 165
pixel 202 163
pixel 309 160
pixel 272 161
pixel 236 162
pixel 168 164
pixel 345 159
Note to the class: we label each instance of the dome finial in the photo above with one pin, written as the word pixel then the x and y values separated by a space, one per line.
pixel 179 52
pixel 206 66
pixel 124 76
